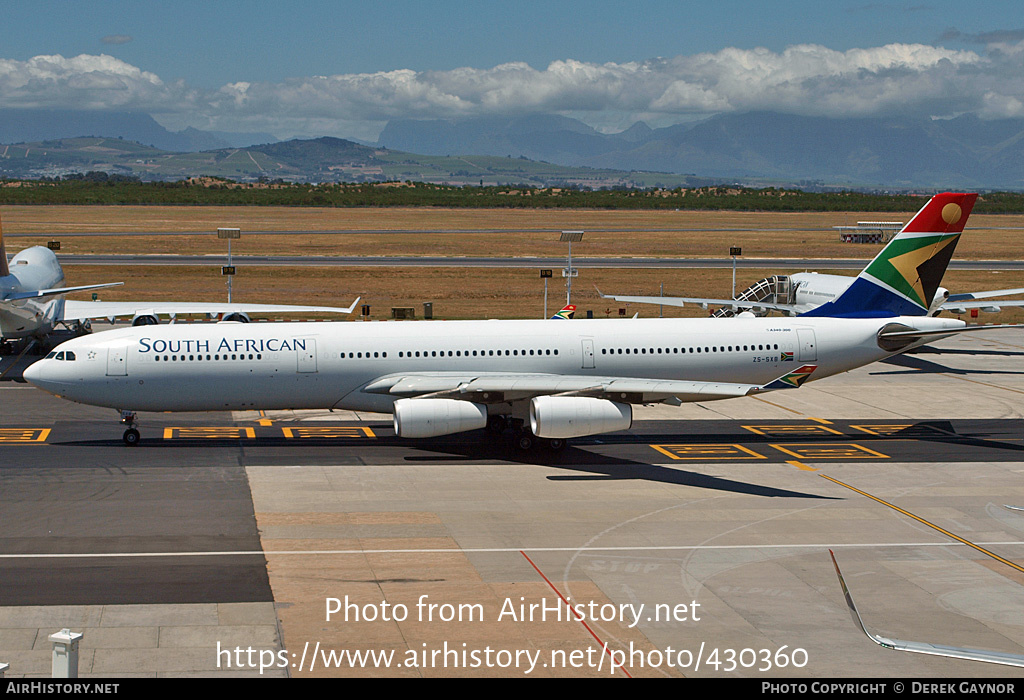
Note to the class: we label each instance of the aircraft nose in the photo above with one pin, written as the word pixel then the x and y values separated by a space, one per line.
pixel 33 374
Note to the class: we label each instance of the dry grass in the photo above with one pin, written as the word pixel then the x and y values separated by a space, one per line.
pixel 781 235
pixel 459 293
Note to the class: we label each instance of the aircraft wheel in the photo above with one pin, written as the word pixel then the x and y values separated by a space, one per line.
pixel 524 441
pixel 556 444
pixel 496 424
pixel 131 437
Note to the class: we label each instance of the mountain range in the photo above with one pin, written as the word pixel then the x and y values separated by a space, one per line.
pixel 966 152
pixel 756 148
pixel 30 125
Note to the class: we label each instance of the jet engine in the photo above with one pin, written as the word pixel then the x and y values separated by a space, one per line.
pixel 145 319
pixel 576 416
pixel 941 296
pixel 236 316
pixel 419 418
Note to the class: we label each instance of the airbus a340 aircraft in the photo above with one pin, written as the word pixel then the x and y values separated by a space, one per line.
pixel 552 380
pixel 32 300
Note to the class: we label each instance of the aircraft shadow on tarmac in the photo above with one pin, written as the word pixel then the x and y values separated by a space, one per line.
pixel 577 461
pixel 916 365
pixel 597 467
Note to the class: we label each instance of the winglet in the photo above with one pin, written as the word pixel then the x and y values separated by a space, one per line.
pixel 791 380
pixel 849 600
pixel 984 655
pixel 350 309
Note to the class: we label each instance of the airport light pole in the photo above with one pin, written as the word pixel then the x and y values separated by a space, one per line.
pixel 568 273
pixel 229 269
pixel 544 275
pixel 734 251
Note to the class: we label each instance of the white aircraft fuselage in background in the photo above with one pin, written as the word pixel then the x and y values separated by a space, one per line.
pixel 32 269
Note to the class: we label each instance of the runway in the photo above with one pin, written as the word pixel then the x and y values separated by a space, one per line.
pixel 508 262
pixel 717 518
pixel 448 231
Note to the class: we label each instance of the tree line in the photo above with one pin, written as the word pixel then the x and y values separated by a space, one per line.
pixel 101 188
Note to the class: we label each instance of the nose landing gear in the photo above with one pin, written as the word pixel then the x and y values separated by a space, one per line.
pixel 131 436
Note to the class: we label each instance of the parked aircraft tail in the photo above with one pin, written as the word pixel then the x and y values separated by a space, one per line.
pixel 902 279
pixel 567 312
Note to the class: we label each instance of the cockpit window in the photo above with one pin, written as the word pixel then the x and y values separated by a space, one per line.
pixel 69 356
pixel 51 355
pixel 60 356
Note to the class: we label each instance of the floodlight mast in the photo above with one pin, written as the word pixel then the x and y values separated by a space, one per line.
pixel 568 273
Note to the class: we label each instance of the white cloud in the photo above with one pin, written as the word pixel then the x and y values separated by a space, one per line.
pixel 85 82
pixel 804 79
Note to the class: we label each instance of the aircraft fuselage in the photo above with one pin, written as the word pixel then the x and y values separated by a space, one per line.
pixel 233 366
pixel 30 270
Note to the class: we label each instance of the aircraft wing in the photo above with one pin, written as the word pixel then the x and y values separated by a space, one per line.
pixel 736 304
pixel 503 387
pixel 40 293
pixel 82 310
pixel 960 307
pixel 992 657
pixel 984 295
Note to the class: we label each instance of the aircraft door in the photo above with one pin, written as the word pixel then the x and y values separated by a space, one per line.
pixel 117 361
pixel 808 349
pixel 305 352
pixel 588 353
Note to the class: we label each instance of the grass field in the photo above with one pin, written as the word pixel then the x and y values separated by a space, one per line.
pixel 783 235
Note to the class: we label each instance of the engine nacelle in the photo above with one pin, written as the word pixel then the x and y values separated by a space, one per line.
pixel 419 418
pixel 576 416
pixel 145 319
pixel 940 298
pixel 239 316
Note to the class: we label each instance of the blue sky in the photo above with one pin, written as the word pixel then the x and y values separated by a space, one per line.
pixel 174 59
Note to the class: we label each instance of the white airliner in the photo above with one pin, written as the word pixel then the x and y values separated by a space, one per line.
pixel 562 380
pixel 32 300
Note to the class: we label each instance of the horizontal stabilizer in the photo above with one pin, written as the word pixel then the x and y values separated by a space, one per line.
pixel 913 333
pixel 984 295
pixel 40 293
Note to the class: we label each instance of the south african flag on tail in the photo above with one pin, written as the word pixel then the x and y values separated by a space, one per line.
pixel 903 278
pixel 566 313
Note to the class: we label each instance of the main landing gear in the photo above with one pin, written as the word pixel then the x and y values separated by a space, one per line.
pixel 131 436
pixel 523 439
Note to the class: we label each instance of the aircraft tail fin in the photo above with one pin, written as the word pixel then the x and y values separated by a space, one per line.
pixel 566 313
pixel 4 269
pixel 904 276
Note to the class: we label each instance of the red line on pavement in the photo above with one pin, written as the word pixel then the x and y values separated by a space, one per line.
pixel 578 616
